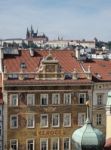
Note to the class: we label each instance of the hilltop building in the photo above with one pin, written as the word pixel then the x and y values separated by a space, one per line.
pixel 35 37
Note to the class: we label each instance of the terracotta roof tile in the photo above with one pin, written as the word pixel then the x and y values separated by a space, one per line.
pixel 67 62
pixel 100 68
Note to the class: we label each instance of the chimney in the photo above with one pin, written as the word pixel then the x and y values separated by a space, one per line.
pixel 31 52
pixel 77 50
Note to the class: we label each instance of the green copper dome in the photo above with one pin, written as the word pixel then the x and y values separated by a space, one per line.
pixel 88 137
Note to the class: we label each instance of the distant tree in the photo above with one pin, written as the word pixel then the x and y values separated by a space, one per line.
pixel 24 45
pixel 5 44
pixel 109 44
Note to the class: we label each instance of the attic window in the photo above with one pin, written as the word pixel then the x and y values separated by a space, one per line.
pixel 68 76
pixel 22 65
pixel 13 76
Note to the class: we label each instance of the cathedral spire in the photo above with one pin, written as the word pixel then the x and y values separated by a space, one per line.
pixel 27 33
pixel 32 31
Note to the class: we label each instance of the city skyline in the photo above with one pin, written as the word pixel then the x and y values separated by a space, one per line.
pixel 82 19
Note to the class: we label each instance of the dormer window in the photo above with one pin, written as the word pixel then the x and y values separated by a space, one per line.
pixel 13 76
pixel 68 76
pixel 23 65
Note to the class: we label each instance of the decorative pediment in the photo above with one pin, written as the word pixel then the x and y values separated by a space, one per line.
pixel 49 68
pixel 50 59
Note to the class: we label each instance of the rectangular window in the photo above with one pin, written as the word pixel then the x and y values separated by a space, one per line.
pixel 44 120
pixel 81 119
pixel 0 111
pixel 82 98
pixel 67 120
pixel 31 99
pixel 43 144
pixel 0 130
pixel 30 144
pixel 99 99
pixel 56 120
pixel 99 119
pixel 13 121
pixel 14 100
pixel 67 144
pixel 55 98
pixel 14 144
pixel 44 99
pixel 67 98
pixel 1 145
pixel 30 121
pixel 55 144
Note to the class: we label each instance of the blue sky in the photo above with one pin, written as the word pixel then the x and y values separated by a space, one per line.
pixel 70 19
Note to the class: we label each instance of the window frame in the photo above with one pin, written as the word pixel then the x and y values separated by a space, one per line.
pixel 81 123
pixel 29 103
pixel 42 115
pixel 41 140
pixel 82 93
pixel 41 103
pixel 29 115
pixel 28 141
pixel 1 145
pixel 100 99
pixel 1 112
pixel 58 142
pixel 11 103
pixel 11 121
pixel 64 115
pixel 69 144
pixel 1 129
pixel 99 119
pixel 58 125
pixel 16 143
pixel 53 100
pixel 67 102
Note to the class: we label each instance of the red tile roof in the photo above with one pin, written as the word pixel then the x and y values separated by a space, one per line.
pixel 108 144
pixel 101 68
pixel 67 62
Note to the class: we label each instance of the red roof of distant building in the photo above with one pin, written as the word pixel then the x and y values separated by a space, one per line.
pixel 108 144
pixel 100 69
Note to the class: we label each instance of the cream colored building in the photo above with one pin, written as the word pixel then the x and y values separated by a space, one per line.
pixel 66 43
pixel 100 93
pixel 108 116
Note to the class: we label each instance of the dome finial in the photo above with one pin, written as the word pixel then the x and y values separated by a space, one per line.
pixel 88 116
